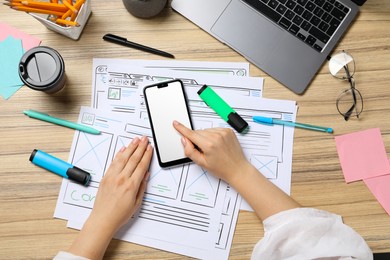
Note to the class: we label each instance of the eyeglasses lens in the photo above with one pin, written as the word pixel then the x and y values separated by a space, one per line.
pixel 350 103
pixel 340 63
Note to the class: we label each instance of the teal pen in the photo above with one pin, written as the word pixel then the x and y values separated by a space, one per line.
pixel 62 122
pixel 271 121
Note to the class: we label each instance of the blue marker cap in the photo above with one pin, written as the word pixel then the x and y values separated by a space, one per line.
pixel 262 119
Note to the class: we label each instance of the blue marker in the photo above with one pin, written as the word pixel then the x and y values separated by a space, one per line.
pixel 60 167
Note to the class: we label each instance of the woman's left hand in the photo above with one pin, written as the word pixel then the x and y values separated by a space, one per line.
pixel 122 188
pixel 118 198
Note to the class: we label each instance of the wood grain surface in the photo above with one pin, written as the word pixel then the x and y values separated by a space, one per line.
pixel 28 194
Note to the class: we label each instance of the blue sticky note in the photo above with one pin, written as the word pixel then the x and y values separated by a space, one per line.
pixel 7 92
pixel 11 51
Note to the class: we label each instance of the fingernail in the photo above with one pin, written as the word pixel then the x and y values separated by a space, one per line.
pixel 183 141
pixel 144 139
pixel 135 140
pixel 149 147
pixel 175 122
pixel 122 149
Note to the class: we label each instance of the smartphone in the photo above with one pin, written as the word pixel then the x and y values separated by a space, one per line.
pixel 166 102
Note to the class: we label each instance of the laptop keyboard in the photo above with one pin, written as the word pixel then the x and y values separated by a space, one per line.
pixel 312 21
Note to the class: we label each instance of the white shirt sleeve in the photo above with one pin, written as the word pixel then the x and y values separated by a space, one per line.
pixel 68 256
pixel 307 233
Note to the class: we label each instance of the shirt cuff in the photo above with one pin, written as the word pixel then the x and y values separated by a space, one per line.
pixel 297 214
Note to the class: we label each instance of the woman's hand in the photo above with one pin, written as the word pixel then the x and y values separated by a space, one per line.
pixel 122 188
pixel 216 149
pixel 118 198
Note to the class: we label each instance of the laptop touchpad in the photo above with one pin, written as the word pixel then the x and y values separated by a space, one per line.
pixel 247 31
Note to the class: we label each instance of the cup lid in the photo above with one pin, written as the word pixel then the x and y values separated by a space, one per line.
pixel 41 67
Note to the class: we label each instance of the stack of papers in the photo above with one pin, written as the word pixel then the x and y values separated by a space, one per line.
pixel 185 210
pixel 13 44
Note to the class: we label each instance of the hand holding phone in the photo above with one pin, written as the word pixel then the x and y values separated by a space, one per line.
pixel 166 102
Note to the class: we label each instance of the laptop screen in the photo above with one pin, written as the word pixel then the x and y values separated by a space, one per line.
pixel 359 2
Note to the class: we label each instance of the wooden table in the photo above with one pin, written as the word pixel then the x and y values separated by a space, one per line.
pixel 28 194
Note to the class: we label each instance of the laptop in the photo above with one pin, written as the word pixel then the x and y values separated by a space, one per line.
pixel 287 39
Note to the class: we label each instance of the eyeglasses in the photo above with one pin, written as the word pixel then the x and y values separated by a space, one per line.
pixel 350 101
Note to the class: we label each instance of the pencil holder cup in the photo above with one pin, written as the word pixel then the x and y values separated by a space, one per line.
pixel 72 32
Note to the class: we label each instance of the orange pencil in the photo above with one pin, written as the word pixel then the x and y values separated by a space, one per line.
pixel 66 22
pixel 67 14
pixel 71 7
pixel 78 4
pixel 13 4
pixel 36 10
pixel 45 5
pixel 73 17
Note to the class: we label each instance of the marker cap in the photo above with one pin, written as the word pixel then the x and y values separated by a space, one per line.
pixel 236 121
pixel 261 119
pixel 78 175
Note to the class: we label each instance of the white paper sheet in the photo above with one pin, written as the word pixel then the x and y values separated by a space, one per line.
pixel 263 145
pixel 240 69
pixel 116 88
pixel 117 85
pixel 278 171
pixel 184 209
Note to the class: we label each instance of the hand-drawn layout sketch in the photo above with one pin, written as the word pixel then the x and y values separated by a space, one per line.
pixel 195 190
pixel 168 206
pixel 265 149
pixel 117 84
pixel 199 210
pixel 200 188
pixel 93 156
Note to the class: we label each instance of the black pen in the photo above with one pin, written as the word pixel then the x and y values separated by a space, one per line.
pixel 123 41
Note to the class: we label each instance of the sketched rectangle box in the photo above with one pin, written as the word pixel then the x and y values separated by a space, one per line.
pixel 72 32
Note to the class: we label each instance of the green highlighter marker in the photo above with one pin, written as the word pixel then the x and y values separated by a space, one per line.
pixel 225 111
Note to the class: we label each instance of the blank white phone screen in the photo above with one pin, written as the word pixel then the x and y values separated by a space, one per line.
pixel 167 104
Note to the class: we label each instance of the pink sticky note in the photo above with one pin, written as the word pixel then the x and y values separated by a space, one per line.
pixel 27 40
pixel 379 187
pixel 362 155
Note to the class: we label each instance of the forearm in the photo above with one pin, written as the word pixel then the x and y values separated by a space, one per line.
pixel 263 196
pixel 93 240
